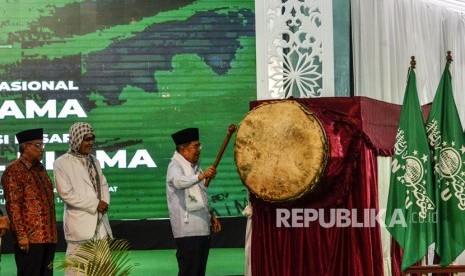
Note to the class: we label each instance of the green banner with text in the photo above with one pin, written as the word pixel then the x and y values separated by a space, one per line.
pixel 138 71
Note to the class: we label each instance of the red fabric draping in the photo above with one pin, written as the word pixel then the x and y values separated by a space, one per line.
pixel 358 129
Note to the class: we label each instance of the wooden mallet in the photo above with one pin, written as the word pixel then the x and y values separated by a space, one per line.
pixel 231 130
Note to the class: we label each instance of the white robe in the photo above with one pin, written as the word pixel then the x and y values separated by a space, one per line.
pixel 75 188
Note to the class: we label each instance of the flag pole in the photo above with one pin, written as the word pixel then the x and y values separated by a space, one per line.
pixel 445 136
pixel 449 56
pixel 410 190
pixel 413 62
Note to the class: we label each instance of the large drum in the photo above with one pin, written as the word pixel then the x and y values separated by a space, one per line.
pixel 280 151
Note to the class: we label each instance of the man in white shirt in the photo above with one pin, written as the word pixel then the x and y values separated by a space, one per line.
pixel 186 194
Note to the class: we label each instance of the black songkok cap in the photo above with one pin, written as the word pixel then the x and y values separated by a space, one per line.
pixel 185 136
pixel 30 135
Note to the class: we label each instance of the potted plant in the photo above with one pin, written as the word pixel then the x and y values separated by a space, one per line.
pixel 107 256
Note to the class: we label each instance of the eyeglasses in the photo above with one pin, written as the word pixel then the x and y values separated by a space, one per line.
pixel 89 139
pixel 196 146
pixel 38 145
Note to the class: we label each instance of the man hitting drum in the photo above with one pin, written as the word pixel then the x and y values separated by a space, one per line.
pixel 186 194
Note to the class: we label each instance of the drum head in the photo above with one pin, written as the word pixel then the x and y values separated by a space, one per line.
pixel 280 151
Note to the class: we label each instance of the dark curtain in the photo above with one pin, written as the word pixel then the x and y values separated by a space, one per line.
pixel 358 129
pixel 396 258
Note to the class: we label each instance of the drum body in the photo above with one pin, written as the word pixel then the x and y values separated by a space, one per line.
pixel 280 151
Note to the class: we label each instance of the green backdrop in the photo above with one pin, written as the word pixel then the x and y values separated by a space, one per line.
pixel 138 71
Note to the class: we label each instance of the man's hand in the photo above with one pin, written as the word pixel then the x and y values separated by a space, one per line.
pixel 102 207
pixel 210 172
pixel 24 244
pixel 215 224
pixel 4 225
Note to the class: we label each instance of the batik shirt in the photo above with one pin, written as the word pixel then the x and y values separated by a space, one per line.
pixel 30 202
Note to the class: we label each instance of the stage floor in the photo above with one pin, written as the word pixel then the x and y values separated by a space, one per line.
pixel 221 262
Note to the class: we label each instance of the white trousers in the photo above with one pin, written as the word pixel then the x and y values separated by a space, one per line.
pixel 71 248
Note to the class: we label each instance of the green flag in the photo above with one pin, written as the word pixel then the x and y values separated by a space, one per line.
pixel 410 208
pixel 445 136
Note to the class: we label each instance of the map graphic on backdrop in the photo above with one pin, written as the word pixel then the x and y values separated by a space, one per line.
pixel 137 71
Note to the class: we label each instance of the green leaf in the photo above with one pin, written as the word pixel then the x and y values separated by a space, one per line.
pixel 98 257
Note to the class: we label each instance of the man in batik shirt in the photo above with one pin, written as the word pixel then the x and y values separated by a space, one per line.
pixel 30 205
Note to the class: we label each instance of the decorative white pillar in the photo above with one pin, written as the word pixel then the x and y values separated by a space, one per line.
pixel 294 48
